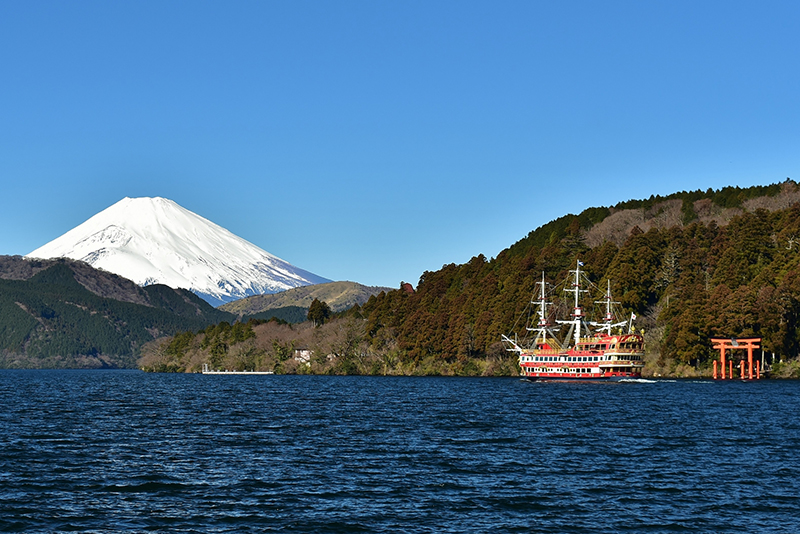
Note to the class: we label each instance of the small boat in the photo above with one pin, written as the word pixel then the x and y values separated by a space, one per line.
pixel 590 350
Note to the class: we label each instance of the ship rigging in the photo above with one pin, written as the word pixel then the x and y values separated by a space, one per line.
pixel 607 348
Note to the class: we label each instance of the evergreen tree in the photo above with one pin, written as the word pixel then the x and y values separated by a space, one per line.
pixel 319 312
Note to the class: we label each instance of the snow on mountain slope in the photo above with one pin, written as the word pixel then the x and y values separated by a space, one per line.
pixel 156 241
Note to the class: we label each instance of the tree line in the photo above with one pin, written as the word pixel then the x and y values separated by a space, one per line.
pixel 686 284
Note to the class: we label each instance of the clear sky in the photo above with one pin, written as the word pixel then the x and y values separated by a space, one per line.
pixel 374 140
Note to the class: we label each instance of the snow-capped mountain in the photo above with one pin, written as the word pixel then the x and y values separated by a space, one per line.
pixel 156 241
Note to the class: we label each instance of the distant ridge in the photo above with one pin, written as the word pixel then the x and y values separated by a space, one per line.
pixel 156 241
pixel 338 295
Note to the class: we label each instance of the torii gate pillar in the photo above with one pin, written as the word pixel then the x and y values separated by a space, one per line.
pixel 729 344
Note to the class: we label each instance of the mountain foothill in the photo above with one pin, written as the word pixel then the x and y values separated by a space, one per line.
pixel 690 266
pixel 63 313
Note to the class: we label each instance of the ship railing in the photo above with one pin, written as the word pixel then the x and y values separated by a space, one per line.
pixel 547 352
pixel 556 352
pixel 625 351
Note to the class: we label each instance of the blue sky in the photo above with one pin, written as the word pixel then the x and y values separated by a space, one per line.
pixel 372 141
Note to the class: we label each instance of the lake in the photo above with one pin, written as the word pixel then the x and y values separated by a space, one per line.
pixel 127 451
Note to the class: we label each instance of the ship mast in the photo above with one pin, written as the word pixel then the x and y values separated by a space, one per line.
pixel 543 327
pixel 577 311
pixel 608 321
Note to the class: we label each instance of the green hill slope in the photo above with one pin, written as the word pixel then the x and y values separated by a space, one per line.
pixel 339 296
pixel 51 320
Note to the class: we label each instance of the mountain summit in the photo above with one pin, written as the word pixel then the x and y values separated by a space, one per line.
pixel 156 241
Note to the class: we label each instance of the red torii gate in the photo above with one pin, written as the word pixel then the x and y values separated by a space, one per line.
pixel 729 344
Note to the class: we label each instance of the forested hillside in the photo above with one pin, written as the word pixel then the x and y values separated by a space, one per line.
pixel 687 282
pixel 715 263
pixel 48 319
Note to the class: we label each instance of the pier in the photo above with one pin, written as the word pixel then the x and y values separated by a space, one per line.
pixel 207 371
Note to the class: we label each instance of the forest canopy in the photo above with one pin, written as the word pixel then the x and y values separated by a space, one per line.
pixel 686 282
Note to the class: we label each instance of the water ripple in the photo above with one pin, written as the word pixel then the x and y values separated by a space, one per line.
pixel 132 452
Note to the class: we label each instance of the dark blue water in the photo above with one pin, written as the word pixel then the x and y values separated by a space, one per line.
pixel 128 451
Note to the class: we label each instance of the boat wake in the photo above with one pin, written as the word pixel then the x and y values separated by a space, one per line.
pixel 642 380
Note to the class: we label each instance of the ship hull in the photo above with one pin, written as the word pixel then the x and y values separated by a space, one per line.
pixel 607 379
pixel 580 378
